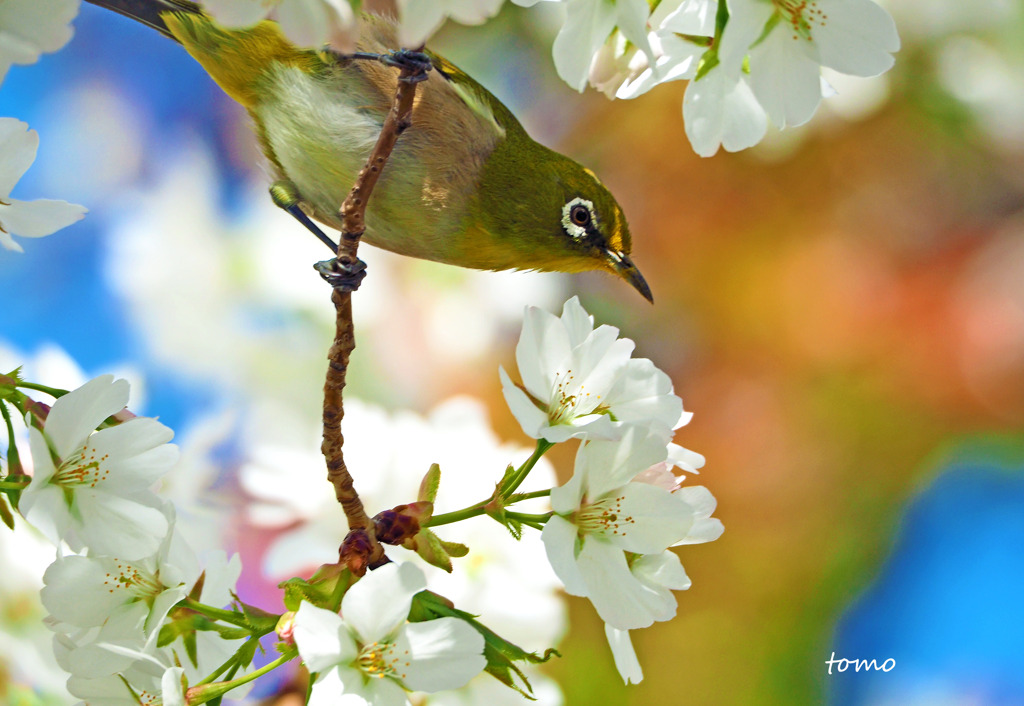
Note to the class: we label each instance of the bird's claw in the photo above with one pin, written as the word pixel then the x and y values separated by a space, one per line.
pixel 416 63
pixel 344 276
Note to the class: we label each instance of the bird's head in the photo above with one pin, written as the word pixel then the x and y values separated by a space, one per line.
pixel 556 213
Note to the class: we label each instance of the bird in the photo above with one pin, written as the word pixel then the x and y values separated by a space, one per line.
pixel 465 185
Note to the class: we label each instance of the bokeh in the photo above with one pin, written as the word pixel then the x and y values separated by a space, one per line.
pixel 841 307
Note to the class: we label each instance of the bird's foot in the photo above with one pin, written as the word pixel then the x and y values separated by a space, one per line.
pixel 344 276
pixel 416 63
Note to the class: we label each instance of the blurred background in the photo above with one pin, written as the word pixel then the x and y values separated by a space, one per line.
pixel 841 307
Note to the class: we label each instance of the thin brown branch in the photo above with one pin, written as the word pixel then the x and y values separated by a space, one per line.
pixel 361 548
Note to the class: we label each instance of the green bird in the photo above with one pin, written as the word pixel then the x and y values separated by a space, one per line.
pixel 465 184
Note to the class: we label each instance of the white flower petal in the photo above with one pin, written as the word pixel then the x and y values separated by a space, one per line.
pixel 237 13
pixel 18 147
pixel 75 415
pixel 785 82
pixel 532 419
pixel 39 218
pixel 322 638
pixel 307 23
pixel 588 24
pixel 327 690
pixel 857 39
pixel 559 537
pixel 376 692
pixel 747 19
pixel 32 27
pixel 119 526
pixel 721 110
pixel 657 519
pixel 171 688
pixel 131 438
pixel 608 465
pixel 618 597
pixel 419 20
pixel 699 498
pixel 45 508
pixel 577 322
pixel 664 570
pixel 631 19
pixel 624 655
pixel 80 591
pixel 705 528
pixel 379 603
pixel 444 654
pixel 693 17
pixel 566 498
pixel 542 349
pixel 684 458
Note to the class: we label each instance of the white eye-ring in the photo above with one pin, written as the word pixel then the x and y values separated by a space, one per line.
pixel 577 217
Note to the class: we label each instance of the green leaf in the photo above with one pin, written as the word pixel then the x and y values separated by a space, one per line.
pixel 430 484
pixel 501 655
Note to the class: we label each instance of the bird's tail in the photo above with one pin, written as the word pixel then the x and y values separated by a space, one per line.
pixel 149 12
pixel 234 58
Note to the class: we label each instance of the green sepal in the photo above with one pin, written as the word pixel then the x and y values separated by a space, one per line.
pixel 708 61
pixel 496 510
pixel 509 472
pixel 454 549
pixel 260 622
pixel 501 655
pixel 5 512
pixel 9 383
pixel 435 551
pixel 768 27
pixel 191 647
pixel 430 484
pixel 247 653
pixel 324 589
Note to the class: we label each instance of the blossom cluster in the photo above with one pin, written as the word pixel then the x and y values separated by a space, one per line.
pixel 748 61
pixel 613 522
pixel 121 564
pixel 125 588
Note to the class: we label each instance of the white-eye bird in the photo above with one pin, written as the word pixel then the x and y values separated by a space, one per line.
pixel 465 184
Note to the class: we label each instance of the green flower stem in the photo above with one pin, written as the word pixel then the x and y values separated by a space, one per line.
pixel 530 519
pixel 13 460
pixel 52 391
pixel 207 692
pixel 519 476
pixel 14 485
pixel 228 616
pixel 505 493
pixel 458 515
pixel 219 670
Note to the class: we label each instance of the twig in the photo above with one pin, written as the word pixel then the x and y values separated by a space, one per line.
pixel 360 550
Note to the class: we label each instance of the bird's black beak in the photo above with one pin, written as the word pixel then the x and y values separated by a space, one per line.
pixel 624 268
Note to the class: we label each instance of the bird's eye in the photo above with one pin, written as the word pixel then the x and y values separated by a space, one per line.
pixel 579 214
pixel 578 218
